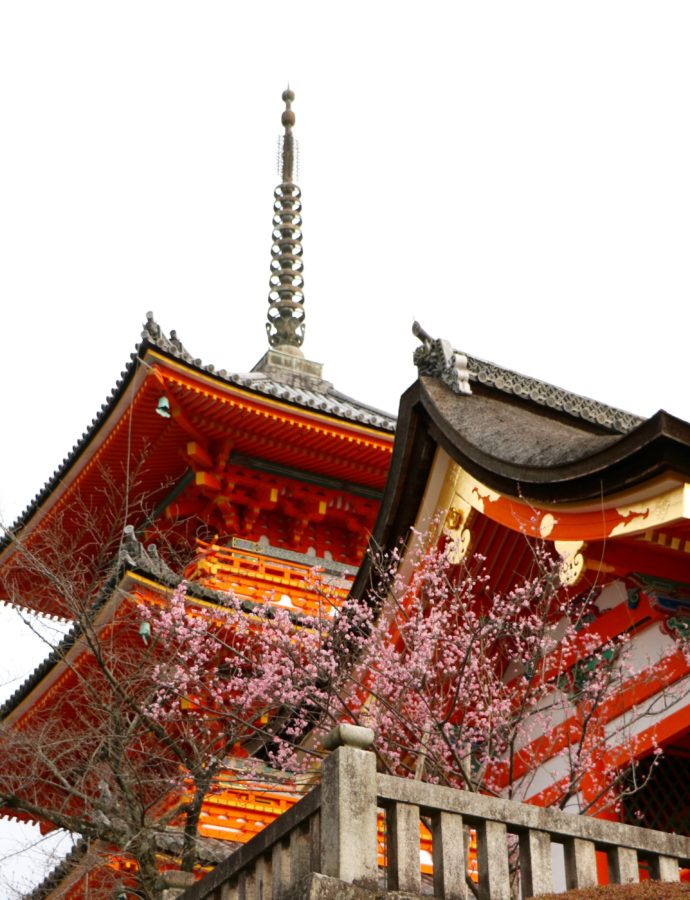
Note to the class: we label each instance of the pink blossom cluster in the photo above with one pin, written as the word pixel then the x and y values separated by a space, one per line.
pixel 464 685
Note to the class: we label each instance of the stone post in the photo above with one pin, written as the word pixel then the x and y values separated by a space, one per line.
pixel 175 883
pixel 349 842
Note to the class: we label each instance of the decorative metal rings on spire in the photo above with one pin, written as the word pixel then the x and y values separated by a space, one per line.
pixel 285 326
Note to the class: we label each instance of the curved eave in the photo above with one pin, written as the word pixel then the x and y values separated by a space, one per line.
pixel 64 873
pixel 128 577
pixel 121 582
pixel 78 450
pixel 108 416
pixel 45 671
pixel 659 446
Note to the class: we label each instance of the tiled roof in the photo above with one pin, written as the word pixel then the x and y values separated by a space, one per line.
pixel 64 868
pixel 460 370
pixel 56 655
pixel 308 390
pixel 329 401
pixel 311 393
pixel 553 397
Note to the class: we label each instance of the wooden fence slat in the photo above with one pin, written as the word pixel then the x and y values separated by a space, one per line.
pixel 624 866
pixel 665 868
pixel 281 869
pixel 246 885
pixel 300 853
pixel 228 891
pixel 315 843
pixel 264 879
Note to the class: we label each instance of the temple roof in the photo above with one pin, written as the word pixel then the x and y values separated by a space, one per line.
pixel 511 433
pixel 274 376
pixel 464 374
pixel 528 438
pixel 520 437
pixel 524 450
pixel 278 375
pixel 551 397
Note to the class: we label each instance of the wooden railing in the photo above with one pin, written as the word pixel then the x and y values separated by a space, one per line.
pixel 330 838
pixel 265 579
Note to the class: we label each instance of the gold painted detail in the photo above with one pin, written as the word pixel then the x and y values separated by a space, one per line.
pixel 572 561
pixel 473 492
pixel 454 528
pixel 661 510
pixel 547 525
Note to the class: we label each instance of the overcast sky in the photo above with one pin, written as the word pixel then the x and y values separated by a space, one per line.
pixel 513 174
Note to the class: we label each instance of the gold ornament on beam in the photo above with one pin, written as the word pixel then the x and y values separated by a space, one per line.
pixel 454 528
pixel 572 561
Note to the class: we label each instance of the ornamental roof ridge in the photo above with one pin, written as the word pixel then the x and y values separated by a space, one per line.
pixel 546 394
pixel 459 370
pixel 300 383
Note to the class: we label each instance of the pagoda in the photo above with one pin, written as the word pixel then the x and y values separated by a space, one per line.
pixel 239 482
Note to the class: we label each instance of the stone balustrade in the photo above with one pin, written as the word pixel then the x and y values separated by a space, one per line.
pixel 326 846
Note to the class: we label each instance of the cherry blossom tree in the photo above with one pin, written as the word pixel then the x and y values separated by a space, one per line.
pixel 150 701
pixel 482 690
pixel 477 689
pixel 140 705
pixel 464 685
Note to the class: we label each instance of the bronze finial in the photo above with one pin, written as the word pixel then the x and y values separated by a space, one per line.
pixel 285 326
pixel 287 142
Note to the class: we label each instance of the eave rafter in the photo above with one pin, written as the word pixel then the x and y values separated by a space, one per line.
pixel 203 407
pixel 137 444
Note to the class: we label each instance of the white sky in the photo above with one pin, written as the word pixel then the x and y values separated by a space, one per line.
pixel 513 174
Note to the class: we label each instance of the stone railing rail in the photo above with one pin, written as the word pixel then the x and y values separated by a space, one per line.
pixel 327 844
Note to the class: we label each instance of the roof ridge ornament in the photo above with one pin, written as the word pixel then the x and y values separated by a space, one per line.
pixel 285 326
pixel 154 334
pixel 436 357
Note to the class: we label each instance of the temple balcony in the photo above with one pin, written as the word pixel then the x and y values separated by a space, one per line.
pixel 329 845
pixel 260 573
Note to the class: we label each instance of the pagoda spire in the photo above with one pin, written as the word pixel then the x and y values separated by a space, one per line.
pixel 285 326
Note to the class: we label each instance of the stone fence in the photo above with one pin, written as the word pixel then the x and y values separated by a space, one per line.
pixel 326 846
